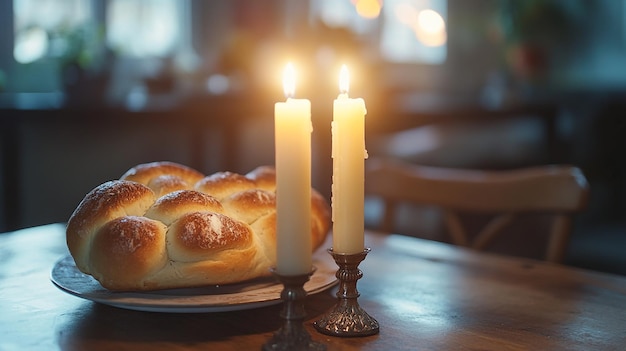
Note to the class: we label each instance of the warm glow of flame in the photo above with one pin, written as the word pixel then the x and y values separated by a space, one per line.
pixel 289 80
pixel 344 80
pixel 368 8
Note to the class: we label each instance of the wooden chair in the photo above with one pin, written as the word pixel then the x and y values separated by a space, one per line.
pixel 558 190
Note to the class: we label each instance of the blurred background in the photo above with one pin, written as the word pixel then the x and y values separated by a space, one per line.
pixel 90 88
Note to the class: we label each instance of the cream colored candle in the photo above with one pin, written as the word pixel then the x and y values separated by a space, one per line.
pixel 293 181
pixel 349 154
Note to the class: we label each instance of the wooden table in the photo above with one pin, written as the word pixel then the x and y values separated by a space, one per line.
pixel 425 295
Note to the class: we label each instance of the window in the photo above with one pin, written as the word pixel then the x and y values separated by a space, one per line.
pixel 143 28
pixel 344 13
pixel 53 28
pixel 49 28
pixel 414 31
pixel 410 31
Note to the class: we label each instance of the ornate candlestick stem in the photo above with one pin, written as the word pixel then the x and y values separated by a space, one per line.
pixel 347 318
pixel 292 336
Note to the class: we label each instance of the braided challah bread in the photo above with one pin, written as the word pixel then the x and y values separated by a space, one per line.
pixel 164 225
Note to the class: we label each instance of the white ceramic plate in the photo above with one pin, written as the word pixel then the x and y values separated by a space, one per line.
pixel 252 294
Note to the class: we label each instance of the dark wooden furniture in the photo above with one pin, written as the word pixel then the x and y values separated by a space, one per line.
pixel 557 191
pixel 425 295
pixel 45 146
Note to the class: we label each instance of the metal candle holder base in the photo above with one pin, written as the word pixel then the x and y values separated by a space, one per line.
pixel 347 318
pixel 292 336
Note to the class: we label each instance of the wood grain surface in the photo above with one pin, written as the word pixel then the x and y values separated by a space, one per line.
pixel 425 295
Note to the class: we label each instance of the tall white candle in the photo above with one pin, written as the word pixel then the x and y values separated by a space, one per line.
pixel 349 154
pixel 293 180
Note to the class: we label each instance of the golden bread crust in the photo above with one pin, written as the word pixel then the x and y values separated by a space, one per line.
pixel 164 225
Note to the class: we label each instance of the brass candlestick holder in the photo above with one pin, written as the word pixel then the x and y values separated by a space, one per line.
pixel 292 336
pixel 347 318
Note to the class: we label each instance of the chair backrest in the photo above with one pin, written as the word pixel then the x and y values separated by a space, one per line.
pixel 558 190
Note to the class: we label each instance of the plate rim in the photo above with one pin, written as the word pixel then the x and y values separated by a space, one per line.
pixel 323 263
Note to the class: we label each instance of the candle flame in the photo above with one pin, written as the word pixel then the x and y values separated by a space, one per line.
pixel 289 80
pixel 344 80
